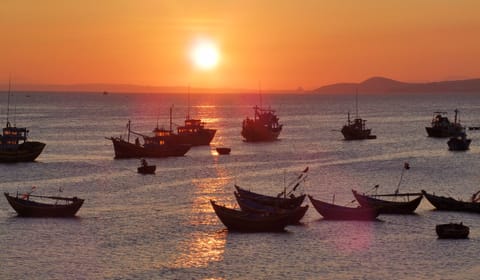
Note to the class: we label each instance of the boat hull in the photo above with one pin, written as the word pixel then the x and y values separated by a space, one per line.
pixel 356 134
pixel 443 132
pixel 149 169
pixel 253 206
pixel 337 212
pixel 124 149
pixel 28 151
pixel 282 202
pixel 28 208
pixel 223 151
pixel 236 220
pixel 455 144
pixel 386 206
pixel 258 133
pixel 199 138
pixel 451 204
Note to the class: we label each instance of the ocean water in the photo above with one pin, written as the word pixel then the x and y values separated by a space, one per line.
pixel 163 227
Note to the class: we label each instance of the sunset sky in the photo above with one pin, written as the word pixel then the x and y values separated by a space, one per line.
pixel 281 44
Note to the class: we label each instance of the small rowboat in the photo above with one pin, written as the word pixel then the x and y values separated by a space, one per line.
pixel 148 169
pixel 145 168
pixel 223 150
pixel 452 230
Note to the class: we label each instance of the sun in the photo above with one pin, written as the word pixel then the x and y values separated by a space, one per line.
pixel 205 54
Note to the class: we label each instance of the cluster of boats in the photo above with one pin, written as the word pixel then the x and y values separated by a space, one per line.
pixel 441 127
pixel 260 212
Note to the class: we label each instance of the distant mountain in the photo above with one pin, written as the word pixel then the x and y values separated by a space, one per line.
pixel 385 85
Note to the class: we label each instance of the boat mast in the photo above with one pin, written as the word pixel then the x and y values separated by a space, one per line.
pixel 128 134
pixel 356 103
pixel 260 92
pixel 8 99
pixel 188 103
pixel 171 108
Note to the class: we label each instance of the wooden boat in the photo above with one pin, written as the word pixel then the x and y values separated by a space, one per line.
pixel 263 127
pixel 282 202
pixel 237 220
pixel 441 126
pixel 336 212
pixel 452 230
pixel 389 206
pixel 61 207
pixel 253 206
pixel 223 150
pixel 145 168
pixel 164 143
pixel 459 142
pixel 451 204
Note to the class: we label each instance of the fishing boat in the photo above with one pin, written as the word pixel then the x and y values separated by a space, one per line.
pixel 356 129
pixel 394 206
pixel 236 220
pixel 223 150
pixel 15 147
pixel 392 203
pixel 459 142
pixel 253 206
pixel 58 207
pixel 441 127
pixel 164 143
pixel 331 211
pixel 283 202
pixel 452 231
pixel 285 199
pixel 263 127
pixel 145 168
pixel 451 204
pixel 194 132
pixel 14 144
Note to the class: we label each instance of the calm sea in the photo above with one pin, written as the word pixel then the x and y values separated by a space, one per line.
pixel 163 227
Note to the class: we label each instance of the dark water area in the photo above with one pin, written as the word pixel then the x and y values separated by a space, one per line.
pixel 162 226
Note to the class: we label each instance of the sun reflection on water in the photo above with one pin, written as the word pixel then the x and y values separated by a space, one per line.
pixel 203 247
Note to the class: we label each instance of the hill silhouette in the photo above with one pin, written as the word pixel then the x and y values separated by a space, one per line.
pixel 385 85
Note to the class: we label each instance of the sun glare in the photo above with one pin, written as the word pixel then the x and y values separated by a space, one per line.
pixel 205 54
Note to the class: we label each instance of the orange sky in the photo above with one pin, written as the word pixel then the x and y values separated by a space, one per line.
pixel 281 43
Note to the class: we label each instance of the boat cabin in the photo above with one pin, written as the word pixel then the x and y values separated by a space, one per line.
pixel 13 135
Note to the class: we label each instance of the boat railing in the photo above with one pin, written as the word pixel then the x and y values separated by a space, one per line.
pixel 397 195
pixel 53 197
